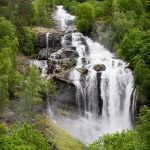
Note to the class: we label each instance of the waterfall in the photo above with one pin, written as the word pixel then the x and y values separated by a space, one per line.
pixel 103 96
pixel 133 106
pixel 47 39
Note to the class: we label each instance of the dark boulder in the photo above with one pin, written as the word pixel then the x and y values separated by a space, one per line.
pixel 99 67
pixel 68 37
pixel 69 54
pixel 68 63
pixel 43 54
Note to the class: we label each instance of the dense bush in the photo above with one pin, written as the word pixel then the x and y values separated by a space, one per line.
pixel 8 52
pixel 85 16
pixel 30 95
pixel 27 42
pixel 25 138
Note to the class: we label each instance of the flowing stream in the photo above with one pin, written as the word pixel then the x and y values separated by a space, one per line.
pixel 104 98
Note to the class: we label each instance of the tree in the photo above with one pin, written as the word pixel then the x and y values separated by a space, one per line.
pixel 8 51
pixel 28 41
pixel 131 44
pixel 142 80
pixel 85 16
pixel 41 14
pixel 25 10
pixel 31 94
pixel 122 23
pixel 143 127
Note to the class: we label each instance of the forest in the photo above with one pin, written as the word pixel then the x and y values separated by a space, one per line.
pixel 23 90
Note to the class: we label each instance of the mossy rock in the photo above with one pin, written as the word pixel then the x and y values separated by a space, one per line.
pixel 83 71
pixel 68 63
pixel 99 67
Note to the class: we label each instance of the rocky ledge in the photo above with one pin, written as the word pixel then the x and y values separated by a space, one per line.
pixel 43 44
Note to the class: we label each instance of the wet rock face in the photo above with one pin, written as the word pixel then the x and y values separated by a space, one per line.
pixel 68 37
pixel 100 101
pixel 69 54
pixel 69 22
pixel 54 41
pixel 43 54
pixel 66 92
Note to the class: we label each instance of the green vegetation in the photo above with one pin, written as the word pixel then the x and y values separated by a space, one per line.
pixel 16 20
pixel 8 51
pixel 85 17
pixel 25 138
pixel 30 95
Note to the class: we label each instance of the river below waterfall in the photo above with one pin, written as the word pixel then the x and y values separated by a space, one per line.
pixel 103 96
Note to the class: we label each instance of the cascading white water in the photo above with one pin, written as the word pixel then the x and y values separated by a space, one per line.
pixel 110 89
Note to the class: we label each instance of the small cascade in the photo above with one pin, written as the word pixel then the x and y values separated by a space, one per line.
pixel 47 40
pixel 50 112
pixel 104 85
pixel 133 106
pixel 65 23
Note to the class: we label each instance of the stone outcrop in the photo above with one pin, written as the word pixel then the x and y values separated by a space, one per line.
pixel 83 71
pixel 99 67
pixel 69 54
pixel 65 92
pixel 54 38
pixel 43 54
pixel 68 63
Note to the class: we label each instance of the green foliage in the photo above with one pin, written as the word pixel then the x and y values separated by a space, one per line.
pixel 30 95
pixel 28 41
pixel 143 127
pixel 142 79
pixel 71 6
pixel 40 14
pixel 50 86
pixel 122 23
pixel 127 140
pixel 135 5
pixel 85 16
pixel 8 51
pixel 131 44
pixel 134 47
pixel 25 138
pixel 24 10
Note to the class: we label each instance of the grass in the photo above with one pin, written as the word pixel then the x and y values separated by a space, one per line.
pixel 62 139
